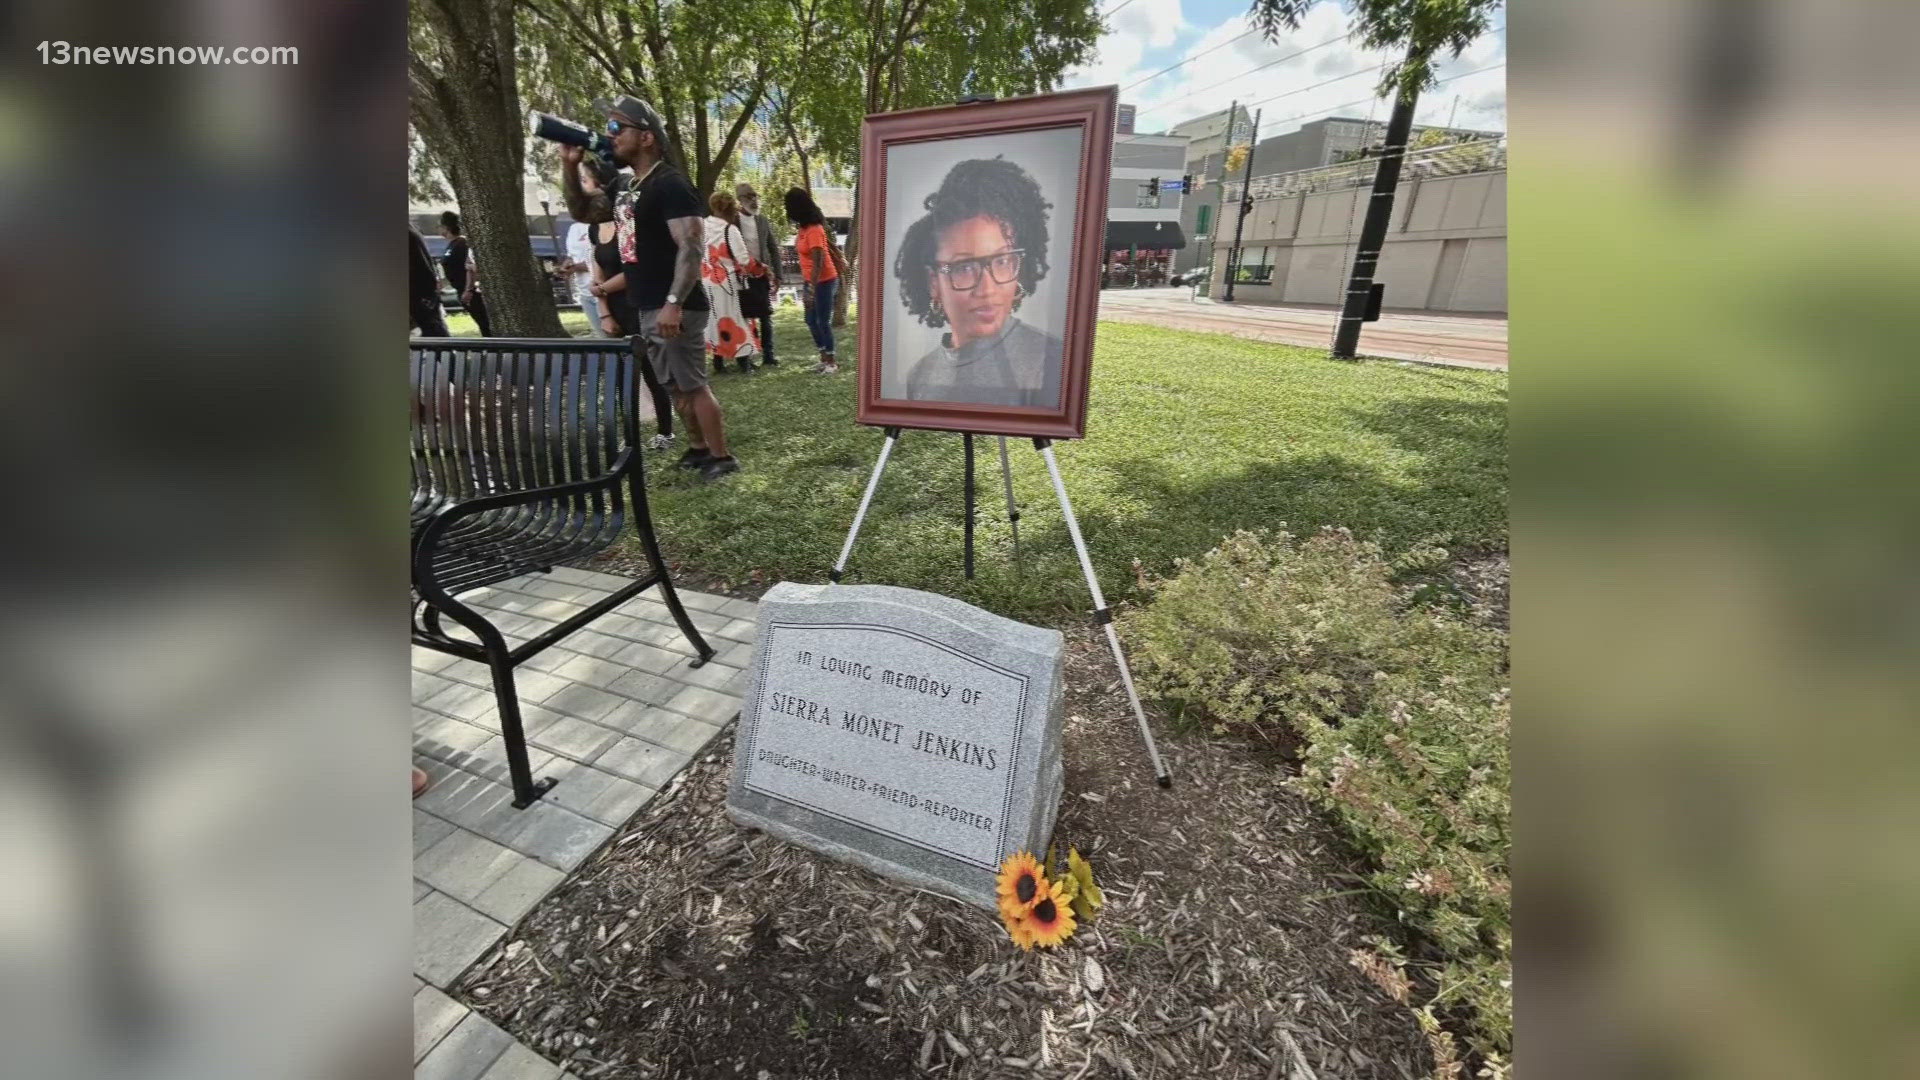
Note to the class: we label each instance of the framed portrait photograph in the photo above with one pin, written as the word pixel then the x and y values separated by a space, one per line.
pixel 980 267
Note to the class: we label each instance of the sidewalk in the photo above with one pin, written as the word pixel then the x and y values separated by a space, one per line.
pixel 614 711
pixel 1471 341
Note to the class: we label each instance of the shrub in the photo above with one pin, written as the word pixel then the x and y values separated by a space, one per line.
pixel 1400 707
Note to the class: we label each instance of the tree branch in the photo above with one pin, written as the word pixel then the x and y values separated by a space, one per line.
pixel 585 37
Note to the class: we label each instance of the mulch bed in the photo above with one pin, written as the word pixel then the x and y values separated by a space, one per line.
pixel 689 947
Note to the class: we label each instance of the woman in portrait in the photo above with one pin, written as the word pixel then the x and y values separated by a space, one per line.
pixel 980 250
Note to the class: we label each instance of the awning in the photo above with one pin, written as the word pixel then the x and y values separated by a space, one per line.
pixel 1151 235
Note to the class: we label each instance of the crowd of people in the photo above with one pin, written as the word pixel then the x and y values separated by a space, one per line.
pixel 645 257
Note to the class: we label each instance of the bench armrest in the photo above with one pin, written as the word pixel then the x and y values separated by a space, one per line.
pixel 444 518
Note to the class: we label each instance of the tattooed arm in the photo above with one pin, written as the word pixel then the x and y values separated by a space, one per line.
pixel 688 238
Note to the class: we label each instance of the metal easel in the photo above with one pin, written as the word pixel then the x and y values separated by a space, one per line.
pixel 1102 615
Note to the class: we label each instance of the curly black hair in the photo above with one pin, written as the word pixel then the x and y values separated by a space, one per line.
pixel 802 210
pixel 993 188
pixel 450 221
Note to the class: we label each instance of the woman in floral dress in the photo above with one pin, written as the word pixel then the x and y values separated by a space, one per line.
pixel 728 262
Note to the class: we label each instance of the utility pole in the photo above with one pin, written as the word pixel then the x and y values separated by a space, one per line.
pixel 1373 233
pixel 1246 201
pixel 1220 208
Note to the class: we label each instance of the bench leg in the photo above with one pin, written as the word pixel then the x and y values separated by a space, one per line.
pixel 525 790
pixel 671 598
pixel 643 525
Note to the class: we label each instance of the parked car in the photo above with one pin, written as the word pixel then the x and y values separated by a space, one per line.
pixel 543 248
pixel 1189 277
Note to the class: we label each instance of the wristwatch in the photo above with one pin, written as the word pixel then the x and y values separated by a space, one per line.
pixel 672 299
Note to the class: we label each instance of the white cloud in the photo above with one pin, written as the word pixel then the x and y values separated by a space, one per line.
pixel 1212 82
pixel 1141 26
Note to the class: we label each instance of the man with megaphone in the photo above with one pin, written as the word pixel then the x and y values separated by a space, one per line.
pixel 660 219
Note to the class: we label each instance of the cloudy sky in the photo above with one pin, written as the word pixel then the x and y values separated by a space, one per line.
pixel 1145 36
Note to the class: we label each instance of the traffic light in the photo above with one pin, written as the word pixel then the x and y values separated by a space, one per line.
pixel 1186 182
pixel 1153 188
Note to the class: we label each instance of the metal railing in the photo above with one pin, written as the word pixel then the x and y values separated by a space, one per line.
pixel 1455 159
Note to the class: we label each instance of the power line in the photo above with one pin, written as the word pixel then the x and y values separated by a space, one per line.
pixel 1188 60
pixel 1300 90
pixel 1303 52
pixel 1342 105
pixel 1114 8
pixel 1242 75
pixel 1365 100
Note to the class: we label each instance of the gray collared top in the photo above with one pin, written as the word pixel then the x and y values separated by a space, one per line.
pixel 1019 366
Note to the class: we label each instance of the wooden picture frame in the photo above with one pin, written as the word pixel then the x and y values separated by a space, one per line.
pixel 1011 351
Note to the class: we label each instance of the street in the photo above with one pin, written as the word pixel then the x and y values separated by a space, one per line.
pixel 1477 341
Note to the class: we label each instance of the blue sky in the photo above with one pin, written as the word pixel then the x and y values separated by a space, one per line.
pixel 1145 36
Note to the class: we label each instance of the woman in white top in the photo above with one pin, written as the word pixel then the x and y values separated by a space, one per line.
pixel 724 267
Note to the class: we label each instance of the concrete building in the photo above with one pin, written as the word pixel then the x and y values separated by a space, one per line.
pixel 1446 246
pixel 1143 230
pixel 1323 142
pixel 1208 138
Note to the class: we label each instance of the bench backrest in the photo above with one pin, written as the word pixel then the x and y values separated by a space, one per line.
pixel 493 415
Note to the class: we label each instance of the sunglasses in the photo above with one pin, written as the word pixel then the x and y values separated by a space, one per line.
pixel 614 126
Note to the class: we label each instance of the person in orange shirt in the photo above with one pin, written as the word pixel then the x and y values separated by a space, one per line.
pixel 822 281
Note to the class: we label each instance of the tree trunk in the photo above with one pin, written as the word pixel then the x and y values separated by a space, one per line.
pixel 799 151
pixel 844 267
pixel 467 109
pixel 1373 232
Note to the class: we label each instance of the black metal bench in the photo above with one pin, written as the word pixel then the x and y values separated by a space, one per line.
pixel 526 454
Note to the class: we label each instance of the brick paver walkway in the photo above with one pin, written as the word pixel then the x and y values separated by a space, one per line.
pixel 613 711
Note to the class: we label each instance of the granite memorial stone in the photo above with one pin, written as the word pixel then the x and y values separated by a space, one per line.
pixel 902 731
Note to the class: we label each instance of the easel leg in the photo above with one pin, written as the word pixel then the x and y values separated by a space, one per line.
pixel 866 500
pixel 1013 512
pixel 1102 614
pixel 967 556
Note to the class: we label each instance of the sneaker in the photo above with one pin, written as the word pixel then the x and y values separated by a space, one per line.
pixel 716 468
pixel 660 442
pixel 827 369
pixel 769 362
pixel 696 457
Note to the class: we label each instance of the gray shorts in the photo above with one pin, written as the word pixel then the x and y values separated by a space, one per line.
pixel 679 364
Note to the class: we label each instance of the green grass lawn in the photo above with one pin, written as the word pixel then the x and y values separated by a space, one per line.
pixel 1189 436
pixel 460 324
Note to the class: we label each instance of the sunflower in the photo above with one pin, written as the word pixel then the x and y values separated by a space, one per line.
pixel 1050 921
pixel 1019 885
pixel 1019 929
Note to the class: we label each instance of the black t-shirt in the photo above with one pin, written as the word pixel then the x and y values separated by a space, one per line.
pixel 421 286
pixel 608 256
pixel 454 263
pixel 647 249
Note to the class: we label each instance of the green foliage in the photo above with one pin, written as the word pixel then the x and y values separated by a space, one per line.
pixel 913 53
pixel 812 67
pixel 1401 710
pixel 424 184
pixel 1086 896
pixel 1265 633
pixel 690 61
pixel 1422 29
